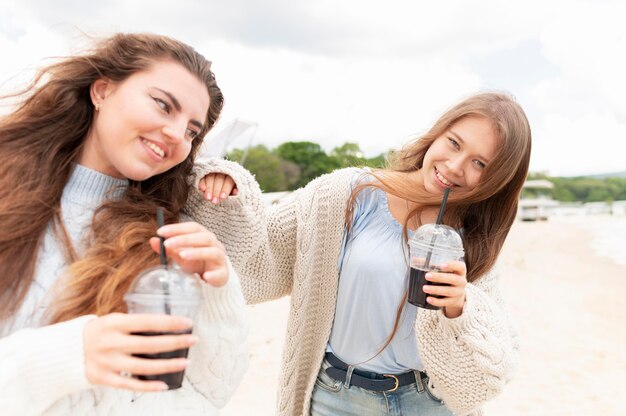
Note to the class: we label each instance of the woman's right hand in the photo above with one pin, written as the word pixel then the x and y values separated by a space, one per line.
pixel 217 187
pixel 109 343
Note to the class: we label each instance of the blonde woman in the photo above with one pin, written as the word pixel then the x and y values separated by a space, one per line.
pixel 338 247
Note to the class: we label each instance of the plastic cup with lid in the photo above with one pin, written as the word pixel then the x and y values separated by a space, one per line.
pixel 165 290
pixel 430 246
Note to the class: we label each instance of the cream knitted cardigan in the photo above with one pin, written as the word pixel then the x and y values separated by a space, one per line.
pixel 293 248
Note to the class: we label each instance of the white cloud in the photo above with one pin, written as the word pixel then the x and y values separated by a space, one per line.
pixel 375 102
pixel 374 72
pixel 578 146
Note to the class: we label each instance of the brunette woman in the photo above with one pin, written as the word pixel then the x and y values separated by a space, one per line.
pixel 97 142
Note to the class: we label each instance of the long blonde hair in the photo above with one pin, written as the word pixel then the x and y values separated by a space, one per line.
pixel 39 142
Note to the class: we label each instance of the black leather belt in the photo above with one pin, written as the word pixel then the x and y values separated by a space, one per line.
pixel 367 380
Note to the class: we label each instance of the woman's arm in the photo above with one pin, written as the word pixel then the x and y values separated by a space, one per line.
pixel 472 357
pixel 220 358
pixel 260 240
pixel 40 366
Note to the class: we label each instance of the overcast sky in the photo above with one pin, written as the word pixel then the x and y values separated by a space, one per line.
pixel 375 73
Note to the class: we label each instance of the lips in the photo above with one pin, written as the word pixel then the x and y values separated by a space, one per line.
pixel 443 180
pixel 157 148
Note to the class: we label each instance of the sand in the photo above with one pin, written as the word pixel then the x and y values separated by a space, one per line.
pixel 569 307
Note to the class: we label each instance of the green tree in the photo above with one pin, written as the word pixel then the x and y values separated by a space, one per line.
pixel 292 173
pixel 309 157
pixel 617 187
pixel 598 194
pixel 563 194
pixel 348 154
pixel 268 168
pixel 584 189
pixel 377 161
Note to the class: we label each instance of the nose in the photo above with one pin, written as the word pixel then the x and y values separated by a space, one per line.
pixel 455 166
pixel 175 132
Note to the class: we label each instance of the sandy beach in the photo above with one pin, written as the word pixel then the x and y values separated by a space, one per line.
pixel 567 302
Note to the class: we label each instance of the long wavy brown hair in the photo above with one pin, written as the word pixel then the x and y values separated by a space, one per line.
pixel 39 142
pixel 486 213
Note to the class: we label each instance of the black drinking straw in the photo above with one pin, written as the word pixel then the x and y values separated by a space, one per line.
pixel 442 207
pixel 161 223
pixel 164 284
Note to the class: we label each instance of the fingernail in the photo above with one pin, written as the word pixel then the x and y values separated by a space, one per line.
pixel 186 321
pixel 163 387
pixel 215 200
pixel 443 265
pixel 183 254
pixel 428 275
pixel 223 195
pixel 208 196
pixel 426 288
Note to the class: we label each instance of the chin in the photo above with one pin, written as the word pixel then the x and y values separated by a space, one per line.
pixel 434 190
pixel 139 176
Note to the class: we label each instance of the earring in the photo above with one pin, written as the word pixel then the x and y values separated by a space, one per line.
pixel 97 106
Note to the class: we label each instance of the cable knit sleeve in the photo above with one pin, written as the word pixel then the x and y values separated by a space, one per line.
pixel 40 366
pixel 220 358
pixel 261 241
pixel 470 358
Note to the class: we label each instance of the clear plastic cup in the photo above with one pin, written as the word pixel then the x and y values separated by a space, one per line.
pixel 170 291
pixel 431 246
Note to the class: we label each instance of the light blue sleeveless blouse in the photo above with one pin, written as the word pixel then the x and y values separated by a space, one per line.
pixel 373 278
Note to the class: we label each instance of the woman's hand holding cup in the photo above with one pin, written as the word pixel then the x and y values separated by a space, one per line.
pixel 109 345
pixel 453 279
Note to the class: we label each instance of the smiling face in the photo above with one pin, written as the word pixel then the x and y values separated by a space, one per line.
pixel 458 157
pixel 145 124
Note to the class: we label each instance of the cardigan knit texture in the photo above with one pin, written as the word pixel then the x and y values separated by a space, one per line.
pixel 42 368
pixel 292 248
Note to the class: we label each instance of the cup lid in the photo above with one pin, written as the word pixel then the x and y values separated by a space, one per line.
pixel 437 236
pixel 165 284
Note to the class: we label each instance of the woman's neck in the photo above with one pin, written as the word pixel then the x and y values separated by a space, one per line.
pixel 401 208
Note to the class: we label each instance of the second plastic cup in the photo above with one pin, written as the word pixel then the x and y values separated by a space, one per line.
pixel 169 291
pixel 430 246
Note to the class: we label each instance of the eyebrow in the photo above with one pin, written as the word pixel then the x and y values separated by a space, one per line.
pixel 459 138
pixel 178 106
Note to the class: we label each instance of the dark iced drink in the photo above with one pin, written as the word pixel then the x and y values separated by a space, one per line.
pixel 430 246
pixel 169 291
pixel 417 296
pixel 173 380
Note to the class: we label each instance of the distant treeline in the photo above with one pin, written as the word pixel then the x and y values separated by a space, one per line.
pixel 292 165
pixel 583 188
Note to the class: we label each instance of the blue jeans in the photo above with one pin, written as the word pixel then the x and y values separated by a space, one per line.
pixel 332 398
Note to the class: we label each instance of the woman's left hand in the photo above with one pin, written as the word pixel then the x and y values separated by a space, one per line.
pixel 195 249
pixel 216 187
pixel 454 276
